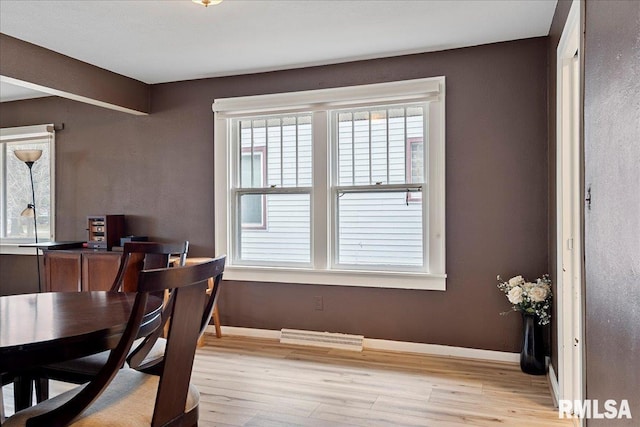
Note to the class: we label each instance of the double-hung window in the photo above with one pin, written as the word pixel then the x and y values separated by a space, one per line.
pixel 271 194
pixel 337 186
pixel 17 224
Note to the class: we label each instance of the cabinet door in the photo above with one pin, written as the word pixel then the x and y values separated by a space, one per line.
pixel 62 270
pixel 99 270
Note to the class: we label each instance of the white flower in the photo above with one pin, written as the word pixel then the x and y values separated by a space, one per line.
pixel 538 293
pixel 516 281
pixel 529 297
pixel 515 295
pixel 546 286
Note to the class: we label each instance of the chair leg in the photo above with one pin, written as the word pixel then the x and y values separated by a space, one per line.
pixel 216 324
pixel 22 393
pixel 42 389
pixel 1 405
pixel 216 321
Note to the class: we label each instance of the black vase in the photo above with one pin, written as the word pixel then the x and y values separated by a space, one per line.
pixel 532 354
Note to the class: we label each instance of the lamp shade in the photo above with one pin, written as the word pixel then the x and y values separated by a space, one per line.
pixel 28 211
pixel 28 155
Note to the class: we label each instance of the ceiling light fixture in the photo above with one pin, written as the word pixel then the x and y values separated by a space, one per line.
pixel 206 3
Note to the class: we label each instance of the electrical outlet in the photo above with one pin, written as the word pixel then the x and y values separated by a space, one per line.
pixel 318 303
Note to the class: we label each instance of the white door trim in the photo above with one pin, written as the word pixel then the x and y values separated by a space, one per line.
pixel 569 218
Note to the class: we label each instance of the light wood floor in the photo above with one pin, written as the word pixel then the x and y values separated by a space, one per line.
pixel 252 382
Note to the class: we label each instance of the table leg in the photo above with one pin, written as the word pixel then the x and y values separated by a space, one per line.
pixel 42 389
pixel 22 392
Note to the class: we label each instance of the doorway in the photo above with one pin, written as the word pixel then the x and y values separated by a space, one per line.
pixel 569 294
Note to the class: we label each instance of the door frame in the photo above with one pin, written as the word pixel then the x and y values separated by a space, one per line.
pixel 569 238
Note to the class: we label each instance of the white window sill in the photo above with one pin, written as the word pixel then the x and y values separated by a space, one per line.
pixel 15 249
pixel 370 279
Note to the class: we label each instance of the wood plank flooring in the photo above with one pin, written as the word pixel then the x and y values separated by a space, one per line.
pixel 254 382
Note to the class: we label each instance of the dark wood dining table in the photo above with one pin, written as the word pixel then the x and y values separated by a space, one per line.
pixel 43 328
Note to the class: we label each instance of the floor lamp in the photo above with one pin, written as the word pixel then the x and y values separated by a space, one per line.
pixel 29 157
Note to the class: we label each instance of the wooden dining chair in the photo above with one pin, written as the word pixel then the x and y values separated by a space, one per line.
pixel 148 356
pixel 129 397
pixel 136 256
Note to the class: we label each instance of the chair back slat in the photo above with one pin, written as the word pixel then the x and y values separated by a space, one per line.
pixel 179 353
pixel 189 285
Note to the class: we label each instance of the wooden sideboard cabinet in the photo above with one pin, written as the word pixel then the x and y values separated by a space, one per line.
pixel 77 270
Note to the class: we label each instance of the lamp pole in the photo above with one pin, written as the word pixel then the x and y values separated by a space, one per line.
pixel 33 205
pixel 29 157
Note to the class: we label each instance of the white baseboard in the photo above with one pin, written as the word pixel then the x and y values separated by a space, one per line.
pixel 388 345
pixel 553 385
pixel 441 350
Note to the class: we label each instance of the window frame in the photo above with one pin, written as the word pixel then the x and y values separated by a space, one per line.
pixel 235 191
pixel 26 134
pixel 371 188
pixel 320 103
pixel 411 197
pixel 263 198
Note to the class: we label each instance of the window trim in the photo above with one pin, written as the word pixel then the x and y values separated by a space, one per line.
pixel 320 103
pixel 25 134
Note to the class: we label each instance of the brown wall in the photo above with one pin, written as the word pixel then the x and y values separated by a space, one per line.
pixel 612 224
pixel 557 25
pixel 18 274
pixel 158 171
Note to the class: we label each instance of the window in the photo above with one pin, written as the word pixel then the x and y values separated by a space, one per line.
pixel 15 187
pixel 376 225
pixel 338 186
pixel 272 195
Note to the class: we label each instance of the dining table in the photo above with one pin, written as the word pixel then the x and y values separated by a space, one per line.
pixel 43 328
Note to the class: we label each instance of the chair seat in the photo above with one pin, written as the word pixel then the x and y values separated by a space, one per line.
pixel 130 398
pixel 87 367
pixel 156 352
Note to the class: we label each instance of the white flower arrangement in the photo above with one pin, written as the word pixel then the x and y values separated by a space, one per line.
pixel 528 297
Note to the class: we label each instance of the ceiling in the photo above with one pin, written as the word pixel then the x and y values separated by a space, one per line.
pixel 9 92
pixel 164 41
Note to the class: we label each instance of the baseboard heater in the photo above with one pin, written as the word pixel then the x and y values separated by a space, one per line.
pixel 322 339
